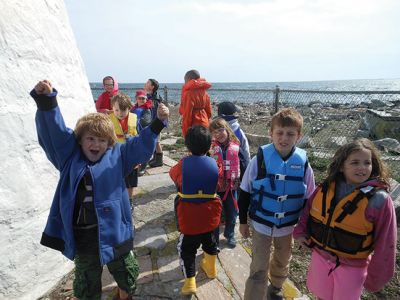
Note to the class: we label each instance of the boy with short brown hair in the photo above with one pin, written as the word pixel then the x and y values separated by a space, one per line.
pixel 273 190
pixel 125 126
pixel 198 207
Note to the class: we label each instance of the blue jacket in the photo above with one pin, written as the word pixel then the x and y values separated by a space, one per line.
pixel 115 225
pixel 278 197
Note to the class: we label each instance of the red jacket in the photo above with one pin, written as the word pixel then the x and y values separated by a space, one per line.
pixel 103 102
pixel 195 218
pixel 195 106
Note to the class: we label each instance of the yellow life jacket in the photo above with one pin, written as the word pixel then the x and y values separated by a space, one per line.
pixel 342 229
pixel 122 136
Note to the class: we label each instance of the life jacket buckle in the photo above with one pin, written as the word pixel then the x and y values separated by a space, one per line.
pixel 279 215
pixel 281 198
pixel 280 177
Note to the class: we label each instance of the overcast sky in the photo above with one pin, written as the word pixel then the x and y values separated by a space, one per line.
pixel 238 41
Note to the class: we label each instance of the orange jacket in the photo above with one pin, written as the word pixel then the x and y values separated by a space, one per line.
pixel 195 218
pixel 195 106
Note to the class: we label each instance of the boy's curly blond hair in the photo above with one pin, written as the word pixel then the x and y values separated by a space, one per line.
pixel 98 124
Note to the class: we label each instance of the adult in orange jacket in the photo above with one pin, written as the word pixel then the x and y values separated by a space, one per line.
pixel 195 107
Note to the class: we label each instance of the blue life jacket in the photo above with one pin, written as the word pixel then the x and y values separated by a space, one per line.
pixel 199 179
pixel 278 197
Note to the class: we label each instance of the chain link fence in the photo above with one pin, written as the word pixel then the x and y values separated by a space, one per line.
pixel 331 118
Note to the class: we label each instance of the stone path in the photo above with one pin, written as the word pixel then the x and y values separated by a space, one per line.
pixel 155 245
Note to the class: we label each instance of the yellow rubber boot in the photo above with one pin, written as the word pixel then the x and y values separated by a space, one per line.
pixel 189 287
pixel 209 265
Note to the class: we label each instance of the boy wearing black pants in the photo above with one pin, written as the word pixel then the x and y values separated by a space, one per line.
pixel 198 207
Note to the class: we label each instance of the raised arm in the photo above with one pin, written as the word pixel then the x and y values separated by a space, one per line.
pixel 54 137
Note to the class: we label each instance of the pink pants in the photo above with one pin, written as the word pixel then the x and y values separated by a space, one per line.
pixel 345 282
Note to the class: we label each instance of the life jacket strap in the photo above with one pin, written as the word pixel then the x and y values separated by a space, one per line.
pixel 273 177
pixel 278 198
pixel 351 205
pixel 233 198
pixel 198 195
pixel 279 215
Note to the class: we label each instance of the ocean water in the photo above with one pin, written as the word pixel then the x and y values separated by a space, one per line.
pixel 260 91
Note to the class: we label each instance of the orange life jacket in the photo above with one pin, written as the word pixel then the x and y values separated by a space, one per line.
pixel 342 228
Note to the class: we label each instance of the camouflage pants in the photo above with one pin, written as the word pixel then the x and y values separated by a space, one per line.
pixel 87 283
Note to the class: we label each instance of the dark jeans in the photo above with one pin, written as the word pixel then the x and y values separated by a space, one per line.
pixel 230 212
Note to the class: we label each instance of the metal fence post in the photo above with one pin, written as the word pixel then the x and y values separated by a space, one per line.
pixel 276 98
pixel 165 94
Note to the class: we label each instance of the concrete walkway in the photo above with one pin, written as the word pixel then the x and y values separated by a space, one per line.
pixel 155 245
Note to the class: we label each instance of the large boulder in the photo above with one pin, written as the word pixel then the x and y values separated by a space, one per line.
pixel 388 145
pixel 257 140
pixel 383 124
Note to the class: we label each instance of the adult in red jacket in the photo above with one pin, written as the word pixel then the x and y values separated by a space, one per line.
pixel 195 106
pixel 103 103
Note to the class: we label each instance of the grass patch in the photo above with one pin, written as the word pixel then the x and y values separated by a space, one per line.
pixel 319 166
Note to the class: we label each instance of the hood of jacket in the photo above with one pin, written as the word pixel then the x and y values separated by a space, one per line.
pixel 196 84
pixel 234 124
pixel 115 88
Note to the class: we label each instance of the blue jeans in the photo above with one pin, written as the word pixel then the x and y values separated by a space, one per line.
pixel 230 212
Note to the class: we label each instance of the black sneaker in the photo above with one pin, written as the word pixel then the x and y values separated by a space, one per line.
pixel 274 293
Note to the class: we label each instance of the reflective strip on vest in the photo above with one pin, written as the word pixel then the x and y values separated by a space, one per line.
pixel 199 179
pixel 198 195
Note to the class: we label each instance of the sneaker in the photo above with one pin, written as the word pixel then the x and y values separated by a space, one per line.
pixel 231 242
pixel 274 293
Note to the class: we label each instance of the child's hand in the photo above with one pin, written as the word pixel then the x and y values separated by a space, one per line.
pixel 43 87
pixel 244 230
pixel 304 242
pixel 162 112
